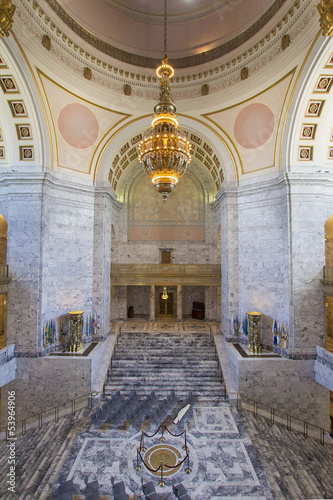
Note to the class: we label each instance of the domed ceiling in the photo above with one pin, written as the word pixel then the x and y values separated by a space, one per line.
pixel 199 31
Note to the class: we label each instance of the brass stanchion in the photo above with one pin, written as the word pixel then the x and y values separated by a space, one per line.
pixel 162 438
pixel 185 444
pixel 142 443
pixel 138 466
pixel 161 483
pixel 188 469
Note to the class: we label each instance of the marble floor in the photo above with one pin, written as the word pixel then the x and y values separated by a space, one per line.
pixel 222 459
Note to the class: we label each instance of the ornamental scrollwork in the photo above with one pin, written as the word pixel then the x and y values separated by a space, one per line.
pixel 7 10
pixel 325 9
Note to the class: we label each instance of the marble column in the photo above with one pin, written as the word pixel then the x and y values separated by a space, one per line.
pixel 152 303
pixel 180 303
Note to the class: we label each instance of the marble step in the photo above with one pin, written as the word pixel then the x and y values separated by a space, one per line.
pixel 181 392
pixel 38 453
pixel 177 373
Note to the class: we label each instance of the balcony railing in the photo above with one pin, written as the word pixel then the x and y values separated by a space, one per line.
pixel 6 354
pixel 4 272
pixel 166 274
pixel 324 368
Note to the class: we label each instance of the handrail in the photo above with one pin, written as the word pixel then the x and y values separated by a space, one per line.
pixel 272 411
pixel 219 364
pixel 55 409
pixel 287 416
pixel 107 376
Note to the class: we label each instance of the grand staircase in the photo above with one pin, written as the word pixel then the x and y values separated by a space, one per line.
pixel 151 361
pixel 297 467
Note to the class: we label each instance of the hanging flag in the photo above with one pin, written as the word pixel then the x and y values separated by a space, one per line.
pixel 246 328
pixel 274 330
pixel 236 326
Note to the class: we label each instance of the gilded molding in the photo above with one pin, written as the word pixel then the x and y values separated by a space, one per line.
pixel 325 9
pixel 7 11
pixel 166 275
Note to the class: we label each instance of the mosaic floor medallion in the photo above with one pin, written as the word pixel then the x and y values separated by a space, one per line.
pixel 166 454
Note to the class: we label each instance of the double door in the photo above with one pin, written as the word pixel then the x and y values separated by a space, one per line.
pixel 165 306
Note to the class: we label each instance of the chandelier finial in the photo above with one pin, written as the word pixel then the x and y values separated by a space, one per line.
pixel 165 150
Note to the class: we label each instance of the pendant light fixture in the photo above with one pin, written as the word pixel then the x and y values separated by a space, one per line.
pixel 164 151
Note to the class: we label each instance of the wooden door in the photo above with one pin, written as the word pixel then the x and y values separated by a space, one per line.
pixel 165 306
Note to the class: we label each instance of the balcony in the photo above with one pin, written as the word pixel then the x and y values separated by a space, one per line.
pixel 166 274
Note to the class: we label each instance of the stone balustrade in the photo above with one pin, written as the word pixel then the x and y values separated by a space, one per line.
pixel 324 368
pixel 166 274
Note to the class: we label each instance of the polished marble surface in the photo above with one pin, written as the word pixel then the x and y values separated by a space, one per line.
pixel 223 461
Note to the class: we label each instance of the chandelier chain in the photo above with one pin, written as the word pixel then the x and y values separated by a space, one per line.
pixel 165 28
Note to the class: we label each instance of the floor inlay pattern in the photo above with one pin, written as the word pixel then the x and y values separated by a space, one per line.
pixel 223 461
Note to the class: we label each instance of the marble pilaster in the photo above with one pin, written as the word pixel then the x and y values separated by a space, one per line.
pixel 102 258
pixel 152 303
pixel 180 303
pixel 228 203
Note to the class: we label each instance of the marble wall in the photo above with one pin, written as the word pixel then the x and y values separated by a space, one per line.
pixel 67 248
pixel 21 205
pixel 311 205
pixel 43 383
pixel 284 384
pixel 272 255
pixel 59 253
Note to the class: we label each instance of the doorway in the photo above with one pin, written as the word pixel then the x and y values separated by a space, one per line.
pixel 165 306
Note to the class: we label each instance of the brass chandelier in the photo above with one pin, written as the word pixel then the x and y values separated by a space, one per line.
pixel 164 151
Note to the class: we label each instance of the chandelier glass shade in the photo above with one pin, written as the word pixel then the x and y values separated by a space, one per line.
pixel 164 151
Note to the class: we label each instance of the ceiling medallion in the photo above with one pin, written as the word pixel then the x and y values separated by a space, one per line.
pixel 164 149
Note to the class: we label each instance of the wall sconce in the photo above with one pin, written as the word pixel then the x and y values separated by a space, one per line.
pixel 165 293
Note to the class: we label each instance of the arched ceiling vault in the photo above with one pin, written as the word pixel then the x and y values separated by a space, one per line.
pixel 119 156
pixel 241 106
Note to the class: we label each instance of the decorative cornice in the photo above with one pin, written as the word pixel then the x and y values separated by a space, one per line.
pixel 143 86
pixel 148 62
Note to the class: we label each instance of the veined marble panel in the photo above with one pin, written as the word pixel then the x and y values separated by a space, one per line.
pixel 43 383
pixel 282 383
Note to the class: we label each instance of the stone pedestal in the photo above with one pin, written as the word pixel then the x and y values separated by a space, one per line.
pixel 254 327
pixel 76 323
